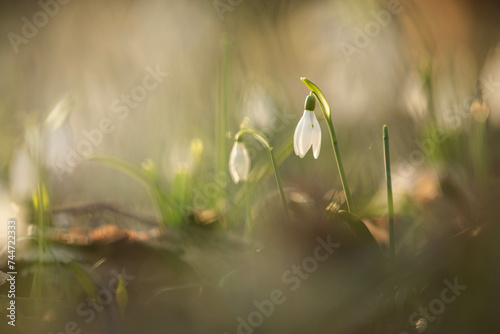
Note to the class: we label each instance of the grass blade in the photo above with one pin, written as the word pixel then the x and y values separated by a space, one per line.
pixel 390 201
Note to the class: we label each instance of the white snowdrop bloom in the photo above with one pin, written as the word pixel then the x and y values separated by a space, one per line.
pixel 239 162
pixel 308 131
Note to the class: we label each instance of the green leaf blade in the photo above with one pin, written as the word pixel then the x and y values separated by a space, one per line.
pixel 319 95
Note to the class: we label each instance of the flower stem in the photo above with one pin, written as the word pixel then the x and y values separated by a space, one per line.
pixel 248 197
pixel 41 217
pixel 340 164
pixel 41 201
pixel 390 201
pixel 325 108
pixel 278 182
pixel 261 137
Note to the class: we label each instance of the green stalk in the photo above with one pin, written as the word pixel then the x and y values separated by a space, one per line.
pixel 40 199
pixel 278 182
pixel 390 201
pixel 41 219
pixel 325 108
pixel 41 209
pixel 248 193
pixel 261 137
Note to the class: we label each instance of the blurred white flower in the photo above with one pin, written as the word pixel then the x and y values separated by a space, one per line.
pixel 415 98
pixel 57 134
pixel 258 106
pixel 239 162
pixel 56 144
pixel 23 174
pixel 308 131
pixel 44 146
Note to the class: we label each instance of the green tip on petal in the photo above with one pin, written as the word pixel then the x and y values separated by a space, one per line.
pixel 310 103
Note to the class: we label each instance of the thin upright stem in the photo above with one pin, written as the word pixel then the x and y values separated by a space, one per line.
pixel 261 138
pixel 41 218
pixel 390 201
pixel 278 181
pixel 340 165
pixel 249 212
pixel 42 205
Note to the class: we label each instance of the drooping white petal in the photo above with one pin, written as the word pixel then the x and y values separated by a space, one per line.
pixel 239 162
pixel 316 136
pixel 296 137
pixel 302 138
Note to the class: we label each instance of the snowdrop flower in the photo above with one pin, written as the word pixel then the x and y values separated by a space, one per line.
pixel 239 162
pixel 308 132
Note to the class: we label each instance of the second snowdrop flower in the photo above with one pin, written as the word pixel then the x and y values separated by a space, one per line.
pixel 239 162
pixel 308 132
